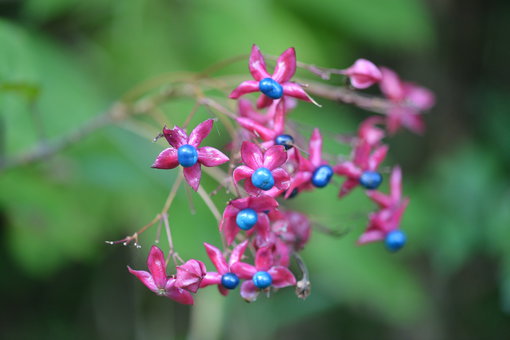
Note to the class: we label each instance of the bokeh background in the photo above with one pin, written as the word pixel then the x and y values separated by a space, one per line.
pixel 63 62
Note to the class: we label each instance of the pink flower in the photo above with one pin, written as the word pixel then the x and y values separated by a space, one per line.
pixel 263 275
pixel 249 213
pixel 312 172
pixel 186 152
pixel 157 280
pixel 262 170
pixel 294 229
pixel 273 86
pixel 190 275
pixel 362 170
pixel 392 207
pixel 409 100
pixel 363 74
pixel 268 134
pixel 223 278
pixel 369 132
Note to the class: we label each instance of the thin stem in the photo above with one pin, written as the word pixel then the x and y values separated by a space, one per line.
pixel 210 204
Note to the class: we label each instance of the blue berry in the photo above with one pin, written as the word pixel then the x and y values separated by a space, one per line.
pixel 395 240
pixel 246 219
pixel 229 280
pixel 262 280
pixel 286 140
pixel 187 155
pixel 370 180
pixel 263 179
pixel 271 88
pixel 322 175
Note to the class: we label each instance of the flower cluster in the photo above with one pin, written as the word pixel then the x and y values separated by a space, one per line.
pixel 271 166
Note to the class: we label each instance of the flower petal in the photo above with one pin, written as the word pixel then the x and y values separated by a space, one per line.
pixel 369 132
pixel 391 85
pixel 262 229
pixel 361 154
pixel 228 227
pixel 157 266
pixel 363 73
pixel 382 200
pixel 371 236
pixel 396 183
pixel 347 186
pixel 393 121
pixel 237 253
pixel 192 175
pixel 264 259
pixel 282 277
pixel 210 156
pixel 347 169
pixel 285 66
pixel 190 274
pixel 248 291
pixel 296 91
pixel 274 157
pixel 176 137
pixel 201 131
pixel 146 278
pixel 242 172
pixel 315 148
pixel 210 278
pixel 265 133
pixel 251 189
pixel 299 179
pixel 414 122
pixel 243 270
pixel 257 64
pixel 245 87
pixel 178 294
pixel 377 157
pixel 278 114
pixel 281 178
pixel 217 258
pixel 263 203
pixel 263 101
pixel 420 97
pixel 251 155
pixel 167 159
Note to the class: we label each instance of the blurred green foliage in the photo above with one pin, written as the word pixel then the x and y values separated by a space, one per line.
pixel 63 62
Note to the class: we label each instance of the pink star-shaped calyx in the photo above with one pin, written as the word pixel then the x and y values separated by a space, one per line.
pixel 392 207
pixel 157 280
pixel 262 171
pixel 363 73
pixel 409 101
pixel 274 275
pixel 222 267
pixel 273 86
pixel 185 151
pixel 363 162
pixel 231 223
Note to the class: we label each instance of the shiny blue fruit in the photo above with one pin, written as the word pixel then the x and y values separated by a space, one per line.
pixel 271 88
pixel 263 179
pixel 322 175
pixel 229 280
pixel 286 140
pixel 395 240
pixel 246 219
pixel 187 155
pixel 262 280
pixel 370 180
